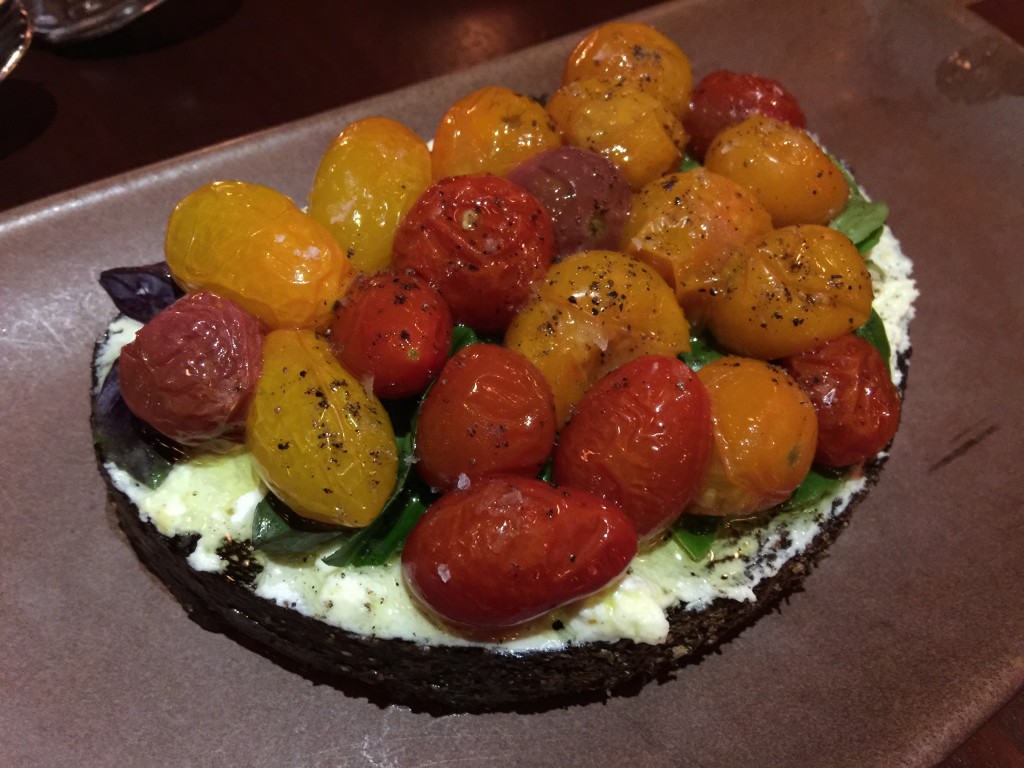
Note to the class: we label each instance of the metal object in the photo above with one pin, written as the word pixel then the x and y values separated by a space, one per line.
pixel 68 21
pixel 15 34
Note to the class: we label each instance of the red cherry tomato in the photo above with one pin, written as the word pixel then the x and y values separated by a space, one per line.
pixel 641 438
pixel 482 241
pixel 191 370
pixel 395 329
pixel 726 98
pixel 858 405
pixel 489 413
pixel 507 550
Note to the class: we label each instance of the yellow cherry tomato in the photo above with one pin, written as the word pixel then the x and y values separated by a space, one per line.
pixel 781 164
pixel 367 181
pixel 638 54
pixel 790 291
pixel 765 433
pixel 321 442
pixel 491 131
pixel 594 311
pixel 251 244
pixel 684 225
pixel 633 129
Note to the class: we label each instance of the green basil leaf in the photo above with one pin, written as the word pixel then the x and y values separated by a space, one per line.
pixel 703 350
pixel 695 534
pixel 688 163
pixel 463 336
pixel 272 534
pixel 874 331
pixel 819 483
pixel 374 544
pixel 861 220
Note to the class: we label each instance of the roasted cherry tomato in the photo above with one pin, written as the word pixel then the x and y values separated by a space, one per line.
pixel 395 330
pixel 685 225
pixel 765 432
pixel 507 550
pixel 191 370
pixel 641 439
pixel 490 412
pixel 482 242
pixel 366 182
pixel 857 403
pixel 723 98
pixel 790 291
pixel 321 442
pixel 586 195
pixel 491 131
pixel 633 129
pixel 593 312
pixel 253 245
pixel 790 174
pixel 639 55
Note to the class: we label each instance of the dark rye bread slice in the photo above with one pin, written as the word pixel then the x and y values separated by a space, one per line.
pixel 452 678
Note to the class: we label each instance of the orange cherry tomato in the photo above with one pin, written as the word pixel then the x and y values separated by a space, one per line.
pixel 394 330
pixel 490 412
pixel 633 129
pixel 790 291
pixel 593 312
pixel 482 241
pixel 640 439
pixel 366 182
pixel 857 403
pixel 790 174
pixel 491 131
pixel 639 55
pixel 252 245
pixel 508 550
pixel 765 433
pixel 685 225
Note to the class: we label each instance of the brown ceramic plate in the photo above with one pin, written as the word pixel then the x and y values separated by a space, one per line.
pixel 907 637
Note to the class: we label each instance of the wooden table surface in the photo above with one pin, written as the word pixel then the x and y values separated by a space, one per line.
pixel 174 81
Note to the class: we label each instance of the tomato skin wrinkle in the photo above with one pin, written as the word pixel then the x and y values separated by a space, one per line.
pixel 640 438
pixel 191 371
pixel 485 266
pixel 394 330
pixel 507 550
pixel 857 403
pixel 490 412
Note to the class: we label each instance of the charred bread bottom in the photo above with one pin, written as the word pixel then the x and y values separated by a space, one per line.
pixel 459 677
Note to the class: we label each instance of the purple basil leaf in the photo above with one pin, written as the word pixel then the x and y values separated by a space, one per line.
pixel 126 441
pixel 141 292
